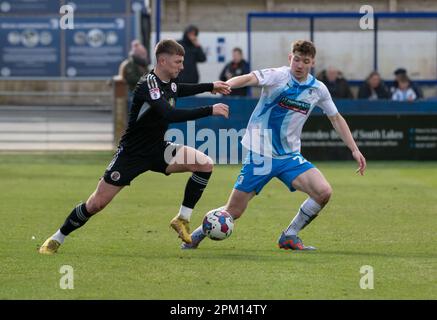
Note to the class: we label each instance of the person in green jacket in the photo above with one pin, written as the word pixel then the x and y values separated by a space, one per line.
pixel 134 67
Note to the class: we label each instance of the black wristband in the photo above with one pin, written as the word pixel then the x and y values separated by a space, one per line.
pixel 210 86
pixel 211 108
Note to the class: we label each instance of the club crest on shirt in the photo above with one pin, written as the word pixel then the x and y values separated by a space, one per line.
pixel 155 93
pixel 173 87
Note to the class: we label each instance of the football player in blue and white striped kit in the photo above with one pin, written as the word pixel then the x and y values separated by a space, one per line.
pixel 289 94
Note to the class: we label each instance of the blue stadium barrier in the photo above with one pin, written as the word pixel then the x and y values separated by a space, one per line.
pixel 384 129
pixel 242 107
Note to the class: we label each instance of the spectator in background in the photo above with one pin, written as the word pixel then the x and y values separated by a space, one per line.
pixel 336 83
pixel 237 67
pixel 134 67
pixel 193 54
pixel 401 73
pixel 373 88
pixel 404 92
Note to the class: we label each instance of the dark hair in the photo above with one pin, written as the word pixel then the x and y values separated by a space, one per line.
pixel 304 47
pixel 400 71
pixel 373 73
pixel 238 50
pixel 169 46
pixel 192 28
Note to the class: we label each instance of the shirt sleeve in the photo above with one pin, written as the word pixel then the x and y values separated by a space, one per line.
pixel 325 102
pixel 268 77
pixel 166 111
pixel 151 93
pixel 190 89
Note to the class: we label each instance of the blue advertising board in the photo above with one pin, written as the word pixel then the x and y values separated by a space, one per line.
pixel 136 5
pixel 95 47
pixel 33 44
pixel 99 6
pixel 33 7
pixel 38 7
pixel 29 47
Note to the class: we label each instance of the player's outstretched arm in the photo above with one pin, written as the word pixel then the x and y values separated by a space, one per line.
pixel 243 81
pixel 171 114
pixel 191 89
pixel 221 87
pixel 340 125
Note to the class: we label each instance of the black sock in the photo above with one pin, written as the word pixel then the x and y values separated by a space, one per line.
pixel 194 188
pixel 77 218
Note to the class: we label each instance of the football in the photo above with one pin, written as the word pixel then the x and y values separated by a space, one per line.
pixel 218 224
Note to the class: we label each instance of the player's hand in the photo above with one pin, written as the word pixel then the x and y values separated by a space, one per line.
pixel 361 161
pixel 194 41
pixel 220 109
pixel 221 87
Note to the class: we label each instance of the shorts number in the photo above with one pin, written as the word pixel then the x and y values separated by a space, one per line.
pixel 300 159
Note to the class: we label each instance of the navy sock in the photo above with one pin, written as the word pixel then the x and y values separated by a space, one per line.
pixel 77 218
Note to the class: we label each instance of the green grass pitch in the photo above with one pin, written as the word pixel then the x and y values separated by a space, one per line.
pixel 386 219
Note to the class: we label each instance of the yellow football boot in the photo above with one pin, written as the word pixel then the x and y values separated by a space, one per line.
pixel 50 246
pixel 182 227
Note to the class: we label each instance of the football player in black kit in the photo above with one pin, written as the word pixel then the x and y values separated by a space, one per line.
pixel 143 147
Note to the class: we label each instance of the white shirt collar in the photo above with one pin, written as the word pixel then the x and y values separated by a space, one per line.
pixel 307 81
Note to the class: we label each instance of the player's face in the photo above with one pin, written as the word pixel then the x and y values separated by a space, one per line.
pixel 300 65
pixel 174 64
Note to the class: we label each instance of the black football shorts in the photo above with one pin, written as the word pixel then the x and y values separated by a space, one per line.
pixel 125 166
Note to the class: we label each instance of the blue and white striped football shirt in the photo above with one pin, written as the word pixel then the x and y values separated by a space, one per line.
pixel 276 123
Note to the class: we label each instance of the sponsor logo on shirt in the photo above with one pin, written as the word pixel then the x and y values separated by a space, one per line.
pixel 171 101
pixel 295 105
pixel 155 93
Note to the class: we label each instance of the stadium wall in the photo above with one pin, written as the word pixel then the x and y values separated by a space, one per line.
pixel 230 15
pixel 56 92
